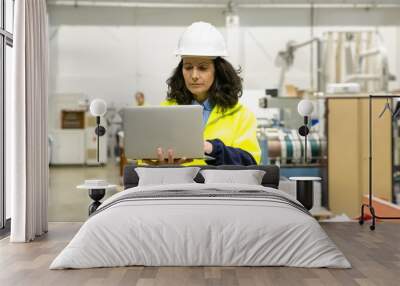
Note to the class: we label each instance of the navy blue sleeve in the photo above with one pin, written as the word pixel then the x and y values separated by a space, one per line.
pixel 225 155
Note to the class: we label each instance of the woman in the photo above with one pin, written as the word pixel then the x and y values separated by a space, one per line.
pixel 204 77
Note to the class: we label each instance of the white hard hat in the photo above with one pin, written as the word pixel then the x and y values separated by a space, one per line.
pixel 201 39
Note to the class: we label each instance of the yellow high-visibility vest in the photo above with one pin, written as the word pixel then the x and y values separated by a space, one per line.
pixel 236 127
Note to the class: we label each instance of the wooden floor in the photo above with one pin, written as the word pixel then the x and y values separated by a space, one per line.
pixel 375 257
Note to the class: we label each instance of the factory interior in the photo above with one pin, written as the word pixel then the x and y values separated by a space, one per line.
pixel 320 54
pixel 338 58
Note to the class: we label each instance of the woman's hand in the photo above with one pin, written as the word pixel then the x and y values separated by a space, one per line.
pixel 168 159
pixel 208 147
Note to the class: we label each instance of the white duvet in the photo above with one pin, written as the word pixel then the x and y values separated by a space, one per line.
pixel 200 231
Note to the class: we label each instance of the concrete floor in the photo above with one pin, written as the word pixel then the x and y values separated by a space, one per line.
pixel 66 202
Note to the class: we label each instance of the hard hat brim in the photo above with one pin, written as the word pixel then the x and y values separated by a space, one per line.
pixel 193 54
pixel 206 57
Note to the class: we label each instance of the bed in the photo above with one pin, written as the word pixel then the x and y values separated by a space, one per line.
pixel 201 224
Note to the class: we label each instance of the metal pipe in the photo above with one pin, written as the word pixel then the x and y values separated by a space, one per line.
pixel 206 5
pixel 370 151
pixel 119 4
pixel 312 47
pixel 369 53
pixel 98 137
pixel 362 77
pixel 320 75
pixel 297 46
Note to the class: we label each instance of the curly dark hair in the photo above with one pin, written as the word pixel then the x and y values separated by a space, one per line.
pixel 224 92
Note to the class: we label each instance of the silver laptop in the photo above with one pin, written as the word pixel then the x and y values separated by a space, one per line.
pixel 177 127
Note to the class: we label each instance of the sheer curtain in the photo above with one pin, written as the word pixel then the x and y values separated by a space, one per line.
pixel 28 120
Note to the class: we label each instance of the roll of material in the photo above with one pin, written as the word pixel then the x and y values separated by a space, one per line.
pixel 287 146
pixel 283 147
pixel 296 147
pixel 309 154
pixel 274 149
pixel 315 147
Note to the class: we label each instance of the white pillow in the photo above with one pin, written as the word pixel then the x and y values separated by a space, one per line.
pixel 248 177
pixel 166 176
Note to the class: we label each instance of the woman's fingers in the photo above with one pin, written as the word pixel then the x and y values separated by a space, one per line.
pixel 160 154
pixel 170 153
pixel 169 160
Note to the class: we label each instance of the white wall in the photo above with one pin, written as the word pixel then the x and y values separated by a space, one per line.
pixel 113 52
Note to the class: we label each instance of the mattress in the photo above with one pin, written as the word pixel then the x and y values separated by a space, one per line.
pixel 201 225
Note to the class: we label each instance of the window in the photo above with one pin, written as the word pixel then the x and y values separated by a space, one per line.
pixel 6 43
